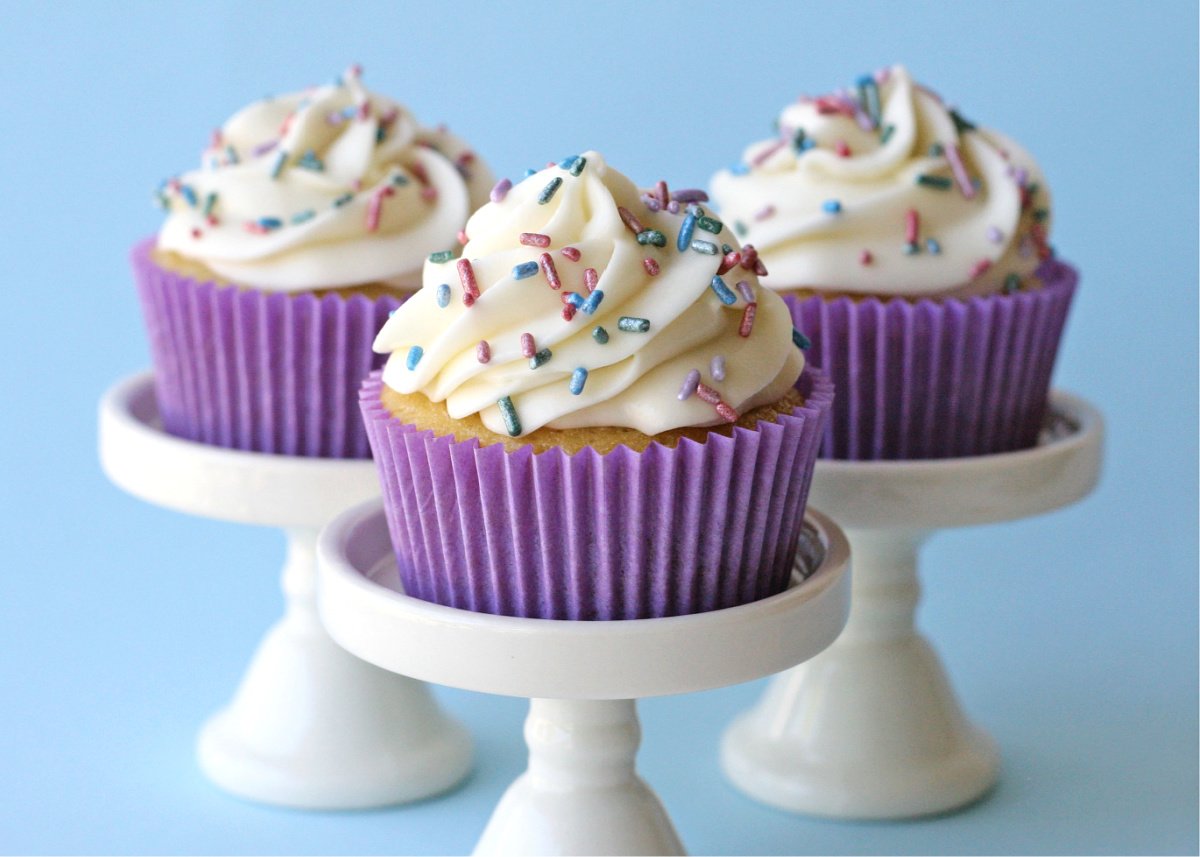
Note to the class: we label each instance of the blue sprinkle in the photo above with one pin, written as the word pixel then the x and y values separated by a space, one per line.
pixel 800 340
pixel 231 155
pixel 593 301
pixel 567 163
pixel 392 312
pixel 575 299
pixel 685 232
pixel 280 160
pixel 524 270
pixel 578 379
pixel 399 179
pixel 188 194
pixel 443 295
pixel 270 222
pixel 740 169
pixel 529 172
pixel 349 112
pixel 414 357
pixel 539 358
pixel 832 206
pixel 600 335
pixel 723 291
pixel 549 190
pixel 706 247
pixel 511 422
pixel 932 245
pixel 303 216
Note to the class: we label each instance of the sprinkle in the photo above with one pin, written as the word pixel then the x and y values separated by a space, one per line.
pixel 980 268
pixel 414 357
pixel 690 381
pixel 631 222
pixel 511 422
pixel 539 358
pixel 739 169
pixel 570 253
pixel 578 379
pixel 710 224
pixel 937 182
pixel 590 279
pixel 729 260
pixel 652 236
pixel 600 335
pixel 746 291
pixel 374 209
pixel 530 172
pixel 933 246
pixel 443 295
pixel 399 179
pixel 651 202
pixel 632 324
pixel 310 161
pixel 462 237
pixel 673 207
pixel 723 292
pixel 865 257
pixel 749 257
pixel 574 299
pixel 740 228
pixel 748 315
pixel 189 194
pixel 196 233
pixel 707 394
pixel 706 247
pixel 689 195
pixel 231 155
pixel 1012 283
pixel 842 148
pixel 280 160
pixel 524 270
pixel 726 412
pixel 886 135
pixel 343 199
pixel 936 150
pixel 765 212
pixel 911 248
pixel 549 190
pixel 961 124
pixel 441 256
pixel 268 223
pixel 483 351
pixel 534 239
pixel 685 232
pixel 717 368
pixel 994 235
pixel 466 276
pixel 263 148
pixel 651 266
pixel 664 195
pixel 762 156
pixel 550 271
pixel 1041 214
pixel 800 340
pixel 568 312
pixel 960 171
pixel 831 206
pixel 868 96
pixel 801 142
pixel 429 193
pixel 912 224
pixel 577 167
pixel 567 163
pixel 593 301
pixel 500 190
pixel 303 216
pixel 528 348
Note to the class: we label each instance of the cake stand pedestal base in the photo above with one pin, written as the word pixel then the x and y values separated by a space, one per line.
pixel 870 728
pixel 310 726
pixel 581 793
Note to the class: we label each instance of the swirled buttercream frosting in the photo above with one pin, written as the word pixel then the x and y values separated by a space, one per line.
pixel 885 190
pixel 331 187
pixel 579 301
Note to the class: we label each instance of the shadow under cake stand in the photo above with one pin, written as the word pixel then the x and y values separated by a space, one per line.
pixel 870 728
pixel 581 793
pixel 310 726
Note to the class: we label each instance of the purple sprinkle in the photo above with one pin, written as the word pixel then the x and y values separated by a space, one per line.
pixel 765 212
pixel 717 368
pixel 995 235
pixel 689 195
pixel 263 148
pixel 690 382
pixel 673 207
pixel 501 190
pixel 746 292
pixel 651 202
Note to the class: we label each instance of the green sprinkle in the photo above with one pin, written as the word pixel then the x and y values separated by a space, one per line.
pixel 342 200
pixel 280 160
pixel 1032 188
pixel 710 224
pixel 961 124
pixel 652 236
pixel 512 422
pixel 706 247
pixel 800 340
pixel 938 182
pixel 912 248
pixel 577 167
pixel 886 133
pixel 1041 214
pixel 1012 283
pixel 539 358
pixel 631 324
pixel 399 180
pixel 740 228
pixel 209 202
pixel 936 150
pixel 303 216
pixel 549 190
pixel 726 249
pixel 600 335
pixel 441 256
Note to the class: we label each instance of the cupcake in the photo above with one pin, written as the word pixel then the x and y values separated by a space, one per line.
pixel 280 258
pixel 911 246
pixel 596 412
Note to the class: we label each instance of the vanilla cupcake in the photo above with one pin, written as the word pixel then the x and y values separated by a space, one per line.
pixel 594 413
pixel 912 248
pixel 280 258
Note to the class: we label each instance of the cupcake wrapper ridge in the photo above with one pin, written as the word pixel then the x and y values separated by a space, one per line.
pixel 625 535
pixel 254 370
pixel 931 379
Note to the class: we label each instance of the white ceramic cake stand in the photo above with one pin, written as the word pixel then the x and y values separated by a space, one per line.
pixel 581 793
pixel 870 728
pixel 310 726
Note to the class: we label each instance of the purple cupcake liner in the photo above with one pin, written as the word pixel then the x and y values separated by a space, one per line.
pixel 254 370
pixel 937 379
pixel 624 535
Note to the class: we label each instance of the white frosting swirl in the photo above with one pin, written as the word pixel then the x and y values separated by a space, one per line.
pixel 331 187
pixel 834 202
pixel 634 374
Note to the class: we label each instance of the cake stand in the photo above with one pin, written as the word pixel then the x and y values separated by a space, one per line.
pixel 581 793
pixel 310 726
pixel 870 728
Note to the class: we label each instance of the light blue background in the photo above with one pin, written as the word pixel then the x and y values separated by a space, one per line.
pixel 1071 637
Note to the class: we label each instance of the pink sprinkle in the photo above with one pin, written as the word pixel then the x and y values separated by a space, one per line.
pixel 748 315
pixel 765 212
pixel 707 393
pixel 760 268
pixel 429 193
pixel 912 225
pixel 373 208
pixel 842 148
pixel 528 349
pixel 196 233
pixel 466 276
pixel 355 71
pixel 483 351
pixel 500 190
pixel 631 223
pixel 389 116
pixel 211 220
pixel 767 152
pixel 590 279
pixel 465 158
pixel 550 271
pixel 364 111
pixel 651 266
pixel 960 171
pixel 726 413
pixel 418 170
pixel 980 267
pixel 749 257
pixel 865 257
pixel 664 196
pixel 568 312
pixel 728 261
pixel 217 139
pixel 534 239
pixel 570 253
pixel 462 236
pixel 256 227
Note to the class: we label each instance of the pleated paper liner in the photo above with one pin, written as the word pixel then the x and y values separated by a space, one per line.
pixel 930 379
pixel 255 370
pixel 623 535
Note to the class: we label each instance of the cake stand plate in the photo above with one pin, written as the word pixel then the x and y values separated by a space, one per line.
pixel 310 725
pixel 870 728
pixel 581 793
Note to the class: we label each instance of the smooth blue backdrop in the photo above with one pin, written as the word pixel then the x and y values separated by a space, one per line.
pixel 1072 637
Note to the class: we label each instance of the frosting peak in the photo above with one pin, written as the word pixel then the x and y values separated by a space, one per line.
pixel 579 301
pixel 330 187
pixel 886 190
